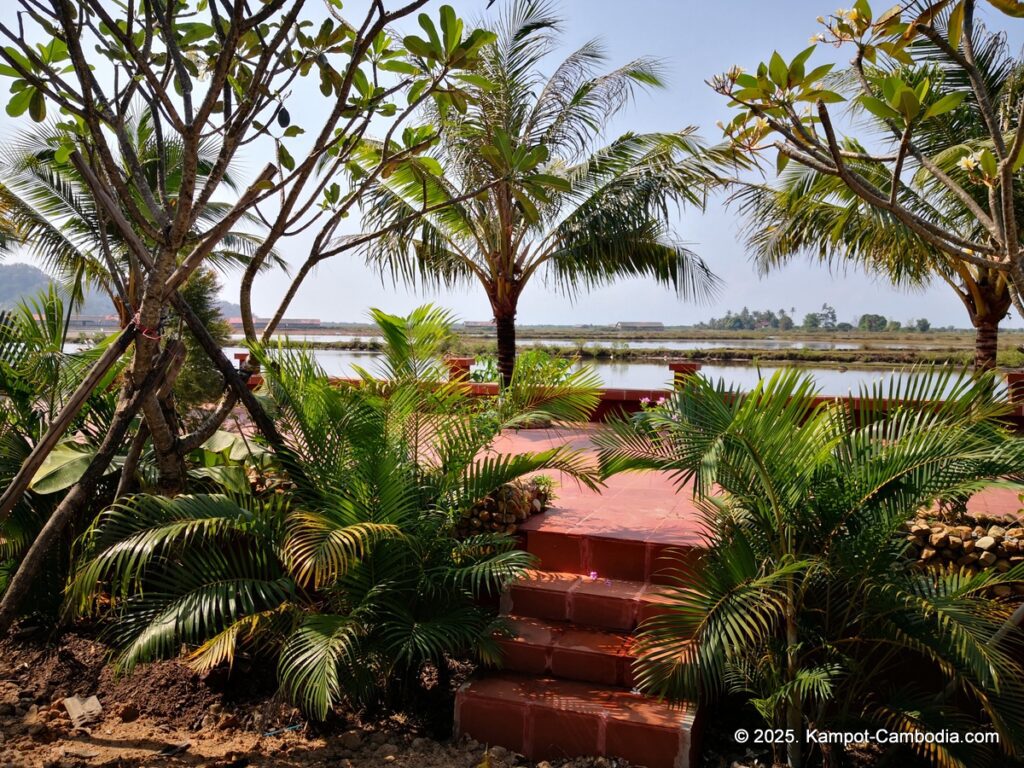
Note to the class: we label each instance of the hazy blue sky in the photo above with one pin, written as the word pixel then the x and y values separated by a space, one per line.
pixel 696 39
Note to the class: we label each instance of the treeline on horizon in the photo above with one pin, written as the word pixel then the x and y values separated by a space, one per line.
pixel 823 320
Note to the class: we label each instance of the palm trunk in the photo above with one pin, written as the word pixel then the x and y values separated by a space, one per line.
pixel 794 715
pixel 506 328
pixel 986 344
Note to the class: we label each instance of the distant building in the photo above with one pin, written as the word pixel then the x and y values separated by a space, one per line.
pixel 639 326
pixel 478 324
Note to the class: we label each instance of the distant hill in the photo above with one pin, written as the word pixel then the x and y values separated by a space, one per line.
pixel 228 309
pixel 21 281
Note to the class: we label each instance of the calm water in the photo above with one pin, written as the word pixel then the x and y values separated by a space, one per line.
pixel 666 344
pixel 633 375
pixel 630 375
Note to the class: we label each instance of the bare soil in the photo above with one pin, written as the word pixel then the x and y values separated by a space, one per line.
pixel 164 714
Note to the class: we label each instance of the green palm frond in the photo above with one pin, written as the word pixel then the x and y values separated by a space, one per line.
pixel 312 659
pixel 349 570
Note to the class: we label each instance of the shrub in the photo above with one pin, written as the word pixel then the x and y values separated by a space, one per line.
pixel 350 574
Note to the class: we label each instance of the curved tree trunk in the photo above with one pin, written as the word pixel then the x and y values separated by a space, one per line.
pixel 986 344
pixel 506 328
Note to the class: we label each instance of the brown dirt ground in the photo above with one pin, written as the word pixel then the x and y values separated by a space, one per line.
pixel 165 705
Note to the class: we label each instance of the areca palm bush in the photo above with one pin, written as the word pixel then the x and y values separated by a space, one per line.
pixel 555 201
pixel 349 572
pixel 805 600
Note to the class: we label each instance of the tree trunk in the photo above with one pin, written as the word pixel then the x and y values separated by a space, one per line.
pixel 794 714
pixel 79 494
pixel 506 327
pixel 259 416
pixel 986 344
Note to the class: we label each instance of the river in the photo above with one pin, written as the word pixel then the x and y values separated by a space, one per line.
pixel 647 375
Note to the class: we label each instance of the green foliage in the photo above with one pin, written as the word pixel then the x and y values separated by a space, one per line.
pixel 538 365
pixel 199 382
pixel 804 599
pixel 36 377
pixel 870 322
pixel 914 195
pixel 517 183
pixel 348 571
pixel 745 320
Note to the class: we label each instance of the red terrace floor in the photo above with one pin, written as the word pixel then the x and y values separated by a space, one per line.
pixel 646 505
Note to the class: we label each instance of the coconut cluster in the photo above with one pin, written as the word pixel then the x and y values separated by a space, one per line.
pixel 505 509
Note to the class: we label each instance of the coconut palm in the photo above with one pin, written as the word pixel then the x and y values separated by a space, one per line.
pixel 805 598
pixel 808 213
pixel 554 200
pixel 347 569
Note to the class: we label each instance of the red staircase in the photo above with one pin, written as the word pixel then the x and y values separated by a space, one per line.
pixel 565 686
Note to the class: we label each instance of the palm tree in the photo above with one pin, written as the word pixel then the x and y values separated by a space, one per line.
pixel 805 598
pixel 347 569
pixel 554 200
pixel 806 212
pixel 37 375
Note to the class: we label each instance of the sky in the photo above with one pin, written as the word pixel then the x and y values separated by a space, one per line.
pixel 695 39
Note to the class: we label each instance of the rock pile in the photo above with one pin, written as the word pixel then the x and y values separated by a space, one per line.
pixel 506 508
pixel 996 546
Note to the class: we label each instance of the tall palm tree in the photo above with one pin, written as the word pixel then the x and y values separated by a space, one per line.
pixel 805 212
pixel 554 199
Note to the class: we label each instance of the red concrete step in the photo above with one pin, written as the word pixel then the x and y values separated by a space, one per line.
pixel 540 647
pixel 610 556
pixel 544 719
pixel 607 603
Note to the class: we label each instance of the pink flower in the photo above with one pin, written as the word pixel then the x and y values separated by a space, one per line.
pixel 593 575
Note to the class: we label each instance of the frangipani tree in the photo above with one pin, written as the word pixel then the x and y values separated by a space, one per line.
pixel 956 193
pixel 207 72
pixel 554 200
